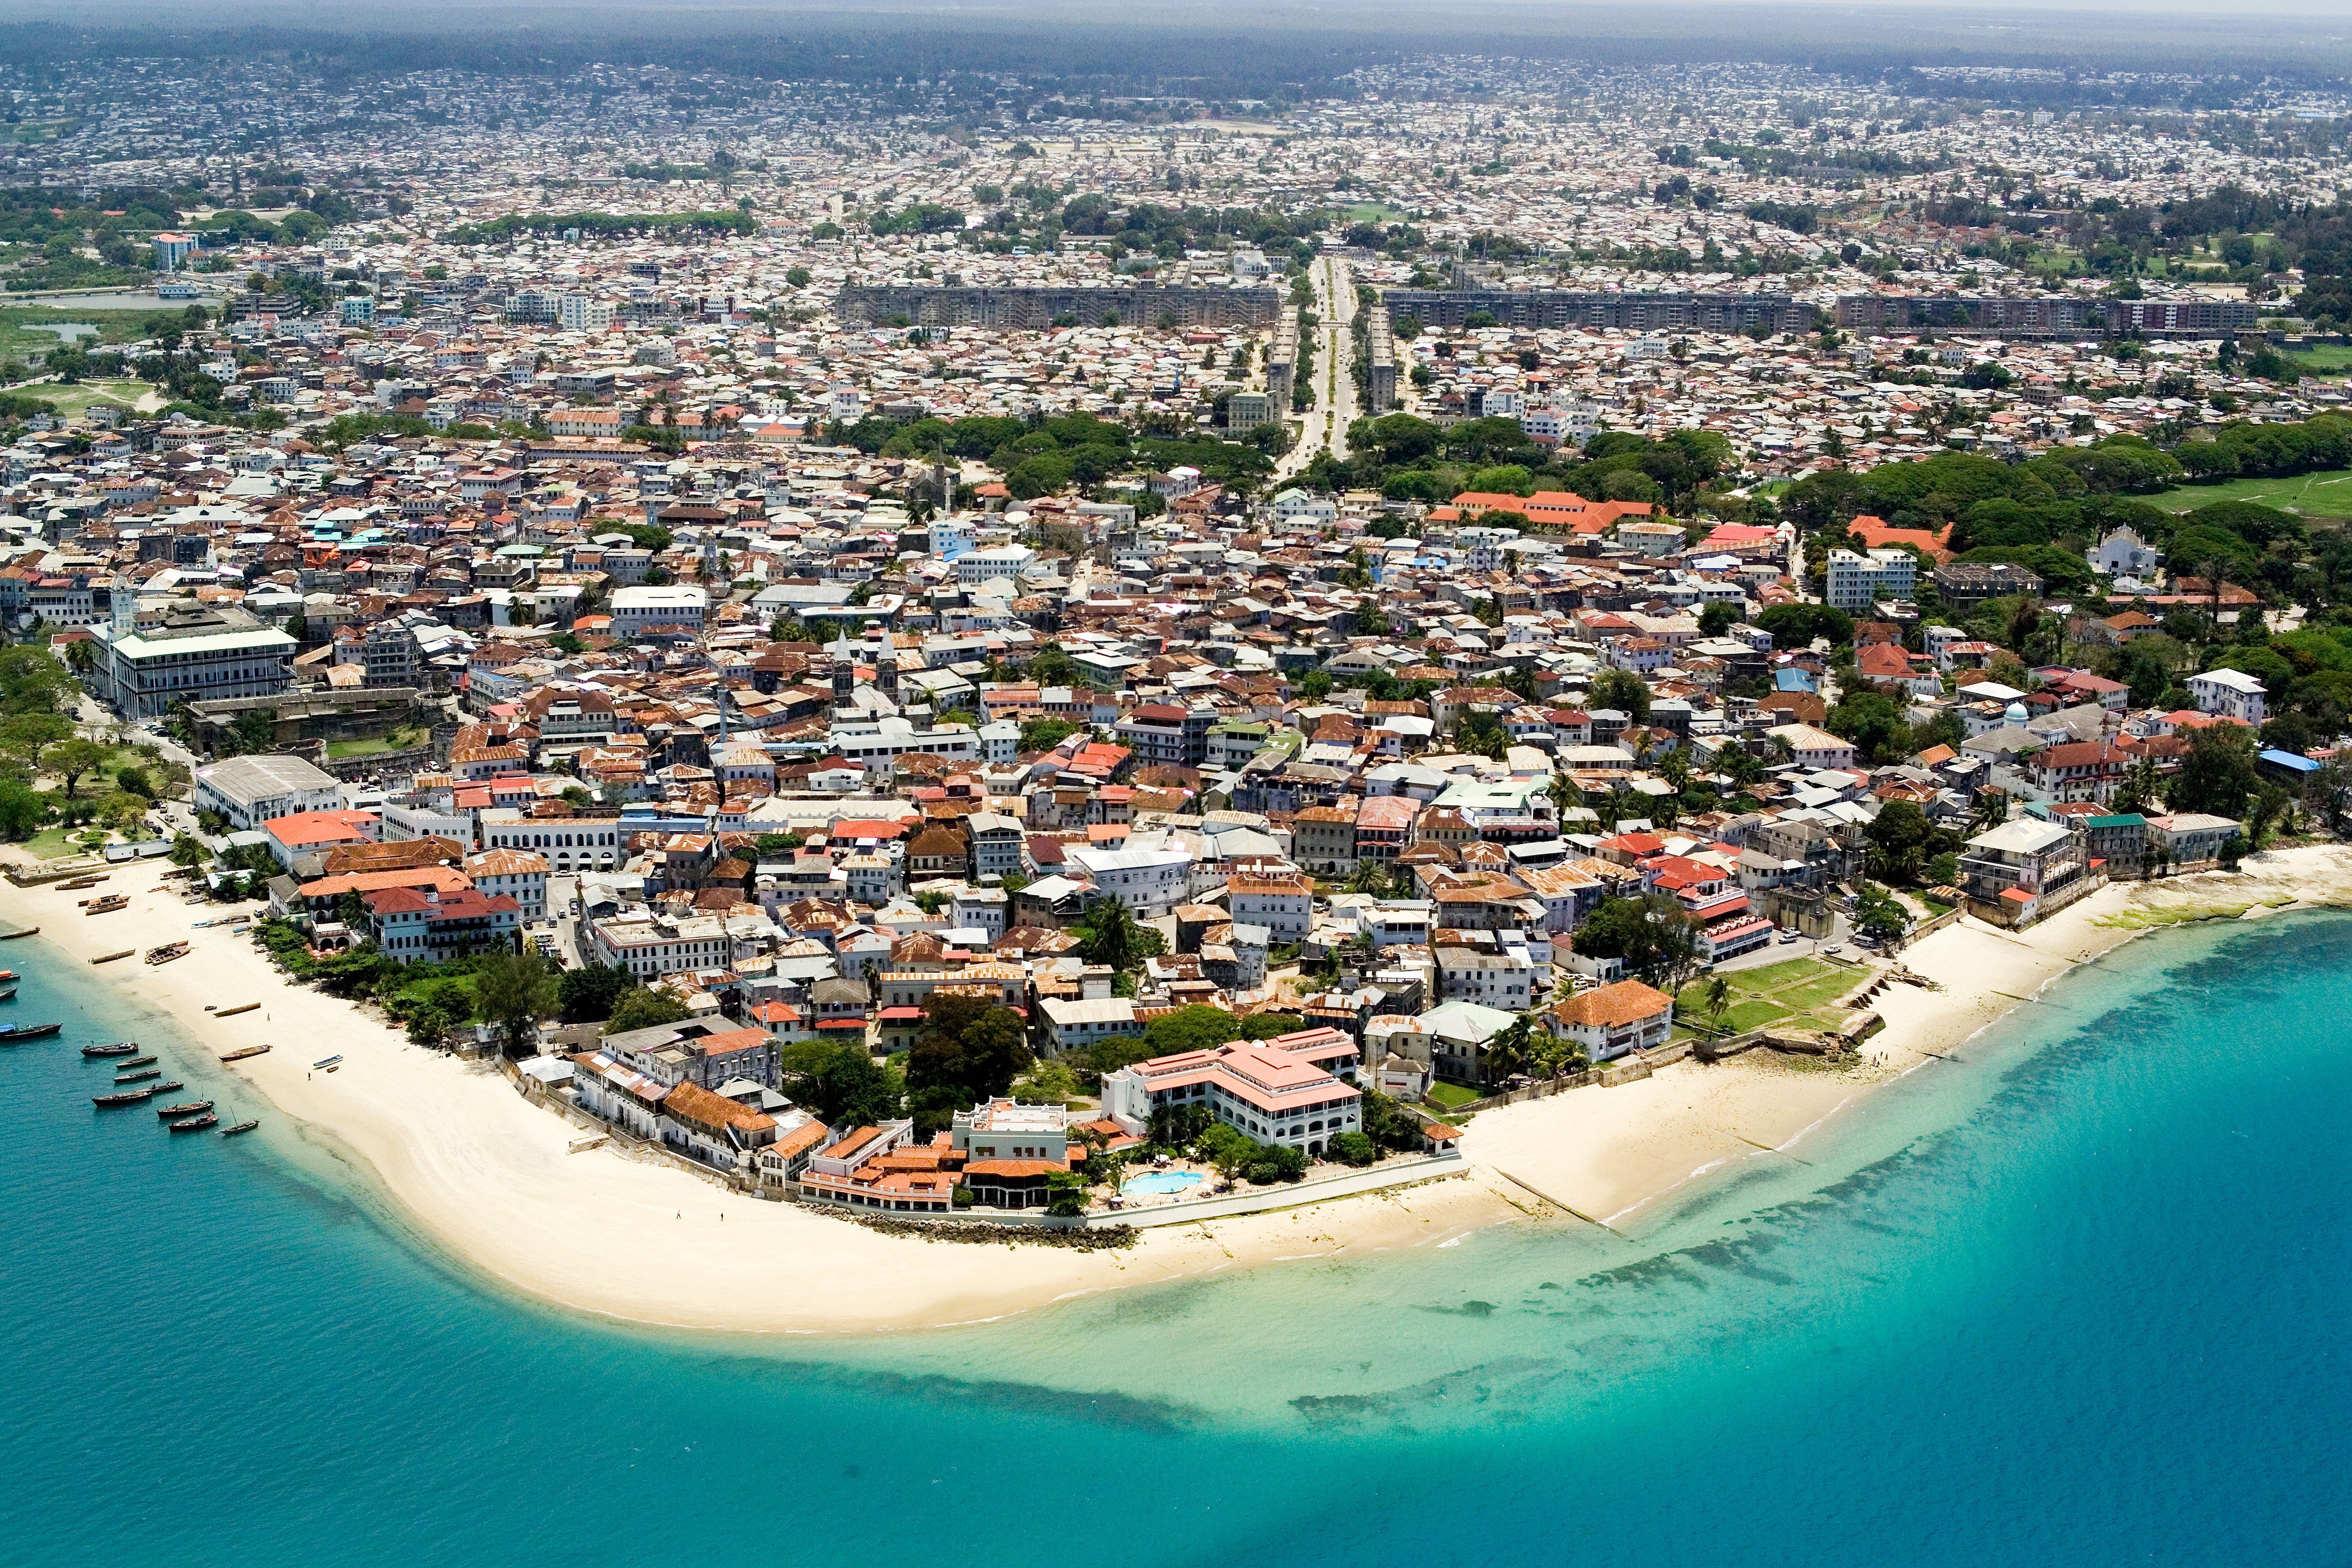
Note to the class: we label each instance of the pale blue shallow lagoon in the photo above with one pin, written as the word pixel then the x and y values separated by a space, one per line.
pixel 2078 1297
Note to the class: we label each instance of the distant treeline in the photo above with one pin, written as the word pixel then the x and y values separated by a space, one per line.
pixel 1237 54
pixel 499 230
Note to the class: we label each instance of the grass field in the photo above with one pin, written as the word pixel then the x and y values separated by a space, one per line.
pixel 2324 494
pixel 1796 994
pixel 398 740
pixel 2326 359
pixel 83 394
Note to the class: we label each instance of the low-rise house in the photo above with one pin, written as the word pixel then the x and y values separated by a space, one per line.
pixel 1611 1020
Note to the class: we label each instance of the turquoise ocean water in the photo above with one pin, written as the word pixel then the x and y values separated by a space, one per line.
pixel 2076 1298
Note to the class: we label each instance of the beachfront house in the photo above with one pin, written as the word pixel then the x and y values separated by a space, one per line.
pixel 2012 872
pixel 1608 1020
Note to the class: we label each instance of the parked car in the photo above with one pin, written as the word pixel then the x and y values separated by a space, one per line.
pixel 1788 936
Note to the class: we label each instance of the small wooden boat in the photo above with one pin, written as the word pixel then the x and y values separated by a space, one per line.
pixel 167 953
pixel 10 1033
pixel 120 1048
pixel 81 882
pixel 327 1061
pixel 137 1062
pixel 7 992
pixel 7 974
pixel 194 1124
pixel 110 957
pixel 233 1012
pixel 185 1107
pixel 110 904
pixel 240 1127
pixel 142 1076
pixel 126 1097
pixel 17 935
pixel 248 1051
pixel 170 1085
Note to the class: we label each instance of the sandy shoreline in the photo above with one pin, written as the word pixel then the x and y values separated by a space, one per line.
pixel 488 1176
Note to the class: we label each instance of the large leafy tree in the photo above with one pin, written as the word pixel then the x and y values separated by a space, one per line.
pixel 1107 933
pixel 643 1009
pixel 514 991
pixel 2217 775
pixel 971 1048
pixel 588 996
pixel 1656 940
pixel 1898 837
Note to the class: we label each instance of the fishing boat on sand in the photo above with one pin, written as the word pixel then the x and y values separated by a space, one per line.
pixel 18 935
pixel 248 1051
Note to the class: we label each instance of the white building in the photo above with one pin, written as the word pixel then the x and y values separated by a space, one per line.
pixel 249 791
pixel 144 673
pixel 1150 882
pixel 2230 694
pixel 1815 748
pixel 1003 561
pixel 580 313
pixel 2124 553
pixel 1858 582
pixel 635 609
pixel 519 874
pixel 1071 1023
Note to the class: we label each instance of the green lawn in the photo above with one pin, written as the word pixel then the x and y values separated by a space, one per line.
pixel 398 740
pixel 1449 1095
pixel 1795 992
pixel 2326 359
pixel 51 844
pixel 2324 494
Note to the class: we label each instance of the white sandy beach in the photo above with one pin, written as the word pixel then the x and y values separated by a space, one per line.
pixel 486 1175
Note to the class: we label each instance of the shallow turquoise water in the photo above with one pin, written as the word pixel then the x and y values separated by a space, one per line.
pixel 2077 1299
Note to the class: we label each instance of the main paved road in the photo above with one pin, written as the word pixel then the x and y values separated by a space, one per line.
pixel 1334 408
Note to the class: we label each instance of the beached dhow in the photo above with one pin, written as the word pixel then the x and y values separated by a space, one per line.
pixel 167 953
pixel 239 1055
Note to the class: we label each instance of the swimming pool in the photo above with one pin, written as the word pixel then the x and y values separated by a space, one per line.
pixel 1159 1184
